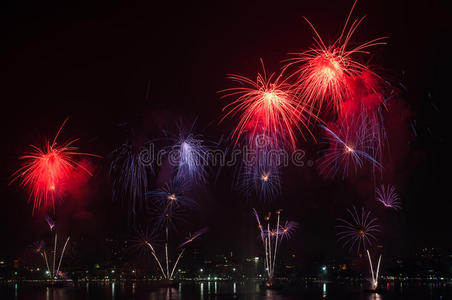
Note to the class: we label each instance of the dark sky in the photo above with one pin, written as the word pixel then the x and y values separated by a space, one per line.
pixel 146 67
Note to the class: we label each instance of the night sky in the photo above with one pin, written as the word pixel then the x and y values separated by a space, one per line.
pixel 133 71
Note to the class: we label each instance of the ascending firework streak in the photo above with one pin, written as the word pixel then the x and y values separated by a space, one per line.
pixel 358 232
pixel 387 195
pixel 271 237
pixel 39 247
pixel 267 106
pixel 374 275
pixel 166 273
pixel 322 72
pixel 45 169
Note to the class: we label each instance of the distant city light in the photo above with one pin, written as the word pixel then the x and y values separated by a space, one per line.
pixel 324 268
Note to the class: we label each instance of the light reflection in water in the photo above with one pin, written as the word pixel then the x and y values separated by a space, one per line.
pixel 375 296
pixel 113 290
pixel 234 288
pixel 324 290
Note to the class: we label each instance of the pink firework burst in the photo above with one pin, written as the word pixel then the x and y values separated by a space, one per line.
pixel 359 232
pixel 388 196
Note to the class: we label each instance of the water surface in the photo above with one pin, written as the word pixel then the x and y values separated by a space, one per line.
pixel 225 290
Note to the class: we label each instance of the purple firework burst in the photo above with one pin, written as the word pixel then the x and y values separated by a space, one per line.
pixel 388 196
pixel 359 232
pixel 287 230
pixel 352 144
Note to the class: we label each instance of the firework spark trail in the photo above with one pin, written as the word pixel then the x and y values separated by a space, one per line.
pixel 61 256
pixel 267 106
pixel 144 238
pixel 45 169
pixel 54 255
pixel 374 275
pixel 39 247
pixel 46 260
pixel 271 239
pixel 130 177
pixel 156 258
pixel 321 73
pixel 349 148
pixel 192 237
pixel 359 232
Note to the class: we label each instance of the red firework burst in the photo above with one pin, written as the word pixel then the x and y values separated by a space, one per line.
pixel 266 107
pixel 45 169
pixel 321 73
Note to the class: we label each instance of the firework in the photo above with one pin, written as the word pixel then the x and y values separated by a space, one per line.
pixel 365 106
pixel 45 170
pixel 39 247
pixel 267 106
pixel 191 158
pixel 129 175
pixel 387 195
pixel 145 239
pixel 171 200
pixel 286 231
pixel 374 275
pixel 50 222
pixel 142 237
pixel 351 144
pixel 321 73
pixel 271 237
pixel 265 182
pixel 359 232
pixel 193 236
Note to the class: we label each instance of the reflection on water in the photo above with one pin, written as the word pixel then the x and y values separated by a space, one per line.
pixel 226 290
